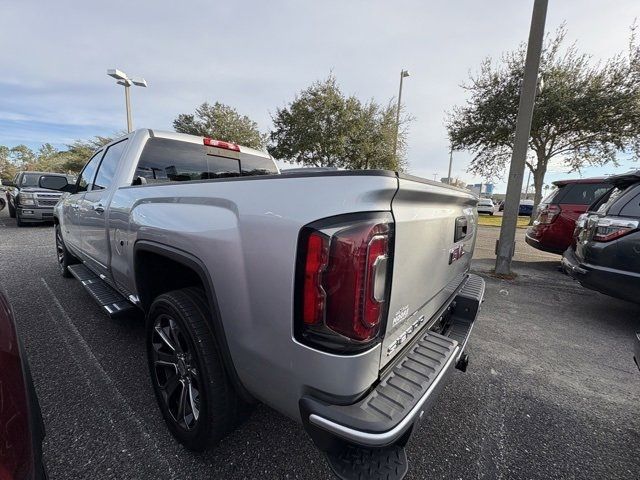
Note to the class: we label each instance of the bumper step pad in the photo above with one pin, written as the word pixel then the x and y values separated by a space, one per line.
pixel 366 439
pixel 358 463
pixel 112 303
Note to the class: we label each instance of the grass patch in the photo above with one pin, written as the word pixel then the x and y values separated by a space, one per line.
pixel 496 221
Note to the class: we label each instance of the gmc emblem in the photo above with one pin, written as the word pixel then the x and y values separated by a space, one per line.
pixel 456 253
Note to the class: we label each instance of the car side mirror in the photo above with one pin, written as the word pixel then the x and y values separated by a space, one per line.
pixel 53 182
pixel 8 183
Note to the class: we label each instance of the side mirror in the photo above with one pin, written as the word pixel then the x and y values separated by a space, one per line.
pixel 8 183
pixel 53 182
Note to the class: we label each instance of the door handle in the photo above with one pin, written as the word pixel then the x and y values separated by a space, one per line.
pixel 99 208
pixel 75 206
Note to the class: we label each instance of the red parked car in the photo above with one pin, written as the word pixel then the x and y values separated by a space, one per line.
pixel 21 427
pixel 552 231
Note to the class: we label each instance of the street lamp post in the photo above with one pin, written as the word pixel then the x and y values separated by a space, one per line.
pixel 126 82
pixel 403 73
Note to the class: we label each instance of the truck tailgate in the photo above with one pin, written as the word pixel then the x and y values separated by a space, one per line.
pixel 430 259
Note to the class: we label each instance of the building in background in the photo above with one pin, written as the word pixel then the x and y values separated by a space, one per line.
pixel 482 189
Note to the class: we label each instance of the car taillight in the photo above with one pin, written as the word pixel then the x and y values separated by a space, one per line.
pixel 343 281
pixel 608 229
pixel 315 264
pixel 548 214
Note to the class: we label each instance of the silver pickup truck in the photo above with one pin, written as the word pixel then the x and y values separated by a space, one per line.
pixel 342 299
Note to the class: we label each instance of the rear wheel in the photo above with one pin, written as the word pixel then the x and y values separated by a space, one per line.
pixel 197 401
pixel 62 254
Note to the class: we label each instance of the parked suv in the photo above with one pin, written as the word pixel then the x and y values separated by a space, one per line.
pixel 35 194
pixel 552 230
pixel 606 256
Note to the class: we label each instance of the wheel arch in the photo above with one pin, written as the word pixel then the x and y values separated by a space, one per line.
pixel 191 271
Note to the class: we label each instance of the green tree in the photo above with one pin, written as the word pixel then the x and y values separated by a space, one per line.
pixel 221 122
pixel 22 157
pixel 322 127
pixel 48 159
pixel 8 169
pixel 79 152
pixel 585 113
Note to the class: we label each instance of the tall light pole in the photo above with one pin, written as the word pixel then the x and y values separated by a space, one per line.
pixel 126 82
pixel 506 243
pixel 450 164
pixel 403 73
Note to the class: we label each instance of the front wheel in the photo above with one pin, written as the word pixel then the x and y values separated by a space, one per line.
pixel 12 211
pixel 19 221
pixel 197 401
pixel 62 254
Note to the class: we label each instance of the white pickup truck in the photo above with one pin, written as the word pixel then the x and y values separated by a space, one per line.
pixel 342 299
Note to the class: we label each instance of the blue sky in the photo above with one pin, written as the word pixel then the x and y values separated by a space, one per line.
pixel 257 55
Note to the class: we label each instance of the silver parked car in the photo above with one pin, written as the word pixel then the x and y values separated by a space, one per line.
pixel 342 299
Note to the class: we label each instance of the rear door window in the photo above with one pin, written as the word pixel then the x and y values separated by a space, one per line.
pixel 108 165
pixel 584 193
pixel 165 160
pixel 88 172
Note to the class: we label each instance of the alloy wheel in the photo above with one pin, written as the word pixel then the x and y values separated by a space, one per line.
pixel 176 372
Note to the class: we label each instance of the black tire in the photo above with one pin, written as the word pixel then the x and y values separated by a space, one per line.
pixel 19 221
pixel 63 256
pixel 12 211
pixel 491 213
pixel 197 401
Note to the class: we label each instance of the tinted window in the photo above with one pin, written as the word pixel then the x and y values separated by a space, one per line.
pixel 549 198
pixel 30 180
pixel 165 160
pixel 607 200
pixel 632 209
pixel 86 177
pixel 584 193
pixel 255 165
pixel 108 165
pixel 53 182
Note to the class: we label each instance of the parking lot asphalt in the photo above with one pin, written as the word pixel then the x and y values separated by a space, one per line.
pixel 551 390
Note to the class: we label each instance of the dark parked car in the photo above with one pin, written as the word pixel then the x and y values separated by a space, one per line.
pixel 606 256
pixel 21 427
pixel 552 231
pixel 34 195
pixel 525 208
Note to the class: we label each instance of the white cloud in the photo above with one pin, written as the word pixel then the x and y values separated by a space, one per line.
pixel 257 55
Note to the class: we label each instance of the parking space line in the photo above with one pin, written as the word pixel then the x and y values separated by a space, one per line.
pixel 91 360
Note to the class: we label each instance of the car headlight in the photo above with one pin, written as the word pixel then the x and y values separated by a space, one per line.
pixel 26 199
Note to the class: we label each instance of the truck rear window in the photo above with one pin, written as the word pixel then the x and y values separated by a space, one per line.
pixel 166 160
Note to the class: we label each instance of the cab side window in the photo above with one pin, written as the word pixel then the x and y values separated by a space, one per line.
pixel 108 165
pixel 88 172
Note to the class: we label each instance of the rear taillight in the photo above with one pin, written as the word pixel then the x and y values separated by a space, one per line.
pixel 608 229
pixel 548 214
pixel 343 281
